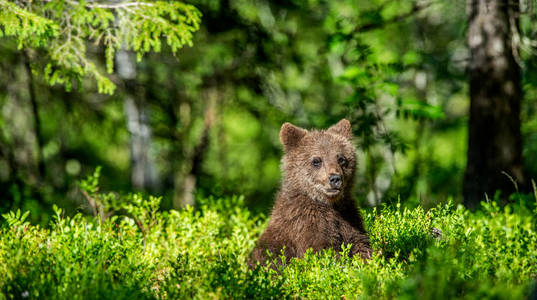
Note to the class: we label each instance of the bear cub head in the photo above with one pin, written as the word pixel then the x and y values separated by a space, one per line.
pixel 319 163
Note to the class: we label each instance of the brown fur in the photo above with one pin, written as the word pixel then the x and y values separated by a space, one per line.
pixel 308 213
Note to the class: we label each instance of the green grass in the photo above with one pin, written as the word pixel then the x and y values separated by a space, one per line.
pixel 141 252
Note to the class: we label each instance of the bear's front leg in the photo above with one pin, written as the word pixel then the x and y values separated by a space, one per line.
pixel 359 240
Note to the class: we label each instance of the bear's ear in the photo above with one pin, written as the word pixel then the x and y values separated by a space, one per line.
pixel 342 128
pixel 290 135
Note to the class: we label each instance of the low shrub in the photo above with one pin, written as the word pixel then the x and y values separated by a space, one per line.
pixel 137 251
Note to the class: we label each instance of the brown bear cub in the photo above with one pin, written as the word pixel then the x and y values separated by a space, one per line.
pixel 314 208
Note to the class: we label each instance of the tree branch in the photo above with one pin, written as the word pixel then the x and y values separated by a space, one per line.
pixel 115 6
pixel 417 7
pixel 91 201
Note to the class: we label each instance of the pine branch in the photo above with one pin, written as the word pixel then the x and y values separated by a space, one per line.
pixel 62 28
pixel 89 4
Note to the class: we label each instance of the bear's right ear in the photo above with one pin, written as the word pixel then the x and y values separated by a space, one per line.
pixel 290 135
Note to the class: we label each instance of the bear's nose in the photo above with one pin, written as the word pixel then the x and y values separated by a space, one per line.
pixel 335 181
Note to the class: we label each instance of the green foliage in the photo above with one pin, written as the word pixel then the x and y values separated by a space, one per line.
pixel 90 185
pixel 373 72
pixel 400 231
pixel 203 253
pixel 62 29
pixel 489 254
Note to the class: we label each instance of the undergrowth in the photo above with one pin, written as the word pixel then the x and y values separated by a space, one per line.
pixel 130 249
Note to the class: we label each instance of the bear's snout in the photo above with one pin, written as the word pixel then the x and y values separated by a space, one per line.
pixel 335 181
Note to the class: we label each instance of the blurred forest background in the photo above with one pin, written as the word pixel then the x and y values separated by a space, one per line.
pixel 204 119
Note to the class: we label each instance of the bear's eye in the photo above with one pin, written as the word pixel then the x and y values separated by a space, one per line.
pixel 342 161
pixel 316 162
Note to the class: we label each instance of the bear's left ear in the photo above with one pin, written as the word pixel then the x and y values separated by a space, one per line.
pixel 342 128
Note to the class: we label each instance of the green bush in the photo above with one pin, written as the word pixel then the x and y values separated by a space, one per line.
pixel 137 251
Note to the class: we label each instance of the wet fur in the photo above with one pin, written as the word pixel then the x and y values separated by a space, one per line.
pixel 304 215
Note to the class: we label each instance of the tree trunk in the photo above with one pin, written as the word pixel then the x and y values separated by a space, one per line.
pixel 37 121
pixel 494 138
pixel 143 170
